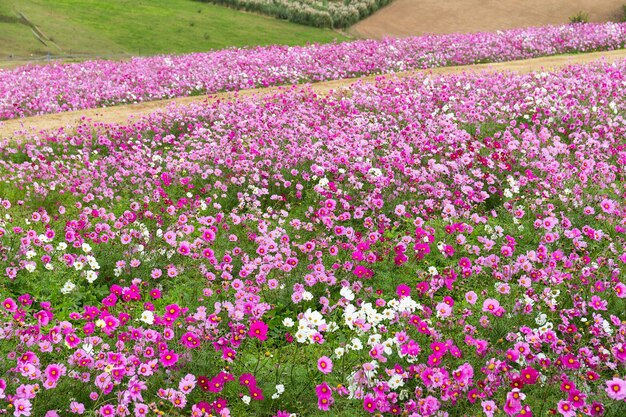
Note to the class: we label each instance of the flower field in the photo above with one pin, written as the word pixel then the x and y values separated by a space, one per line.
pixel 435 246
pixel 33 90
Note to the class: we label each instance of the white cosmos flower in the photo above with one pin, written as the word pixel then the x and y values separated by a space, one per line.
pixel 68 287
pixel 91 276
pixel 373 339
pixel 356 344
pixel 147 317
pixel 541 319
pixel 88 348
pixel 347 293
pixel 301 337
pixel 395 381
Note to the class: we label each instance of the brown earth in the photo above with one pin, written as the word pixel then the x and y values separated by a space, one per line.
pixel 122 113
pixel 418 17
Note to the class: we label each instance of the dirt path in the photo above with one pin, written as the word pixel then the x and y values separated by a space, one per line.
pixel 417 17
pixel 121 114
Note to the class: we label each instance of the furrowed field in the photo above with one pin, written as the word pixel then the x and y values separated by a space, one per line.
pixel 432 246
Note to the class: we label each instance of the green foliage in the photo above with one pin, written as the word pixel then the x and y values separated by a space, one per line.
pixel 322 14
pixel 580 17
pixel 114 28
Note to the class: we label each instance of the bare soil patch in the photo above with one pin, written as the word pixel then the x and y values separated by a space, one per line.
pixel 418 17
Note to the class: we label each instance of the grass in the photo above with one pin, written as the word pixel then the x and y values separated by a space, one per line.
pixel 141 27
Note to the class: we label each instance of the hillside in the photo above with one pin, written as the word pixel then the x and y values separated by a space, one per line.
pixel 417 17
pixel 117 27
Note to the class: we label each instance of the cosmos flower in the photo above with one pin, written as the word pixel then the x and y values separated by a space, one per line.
pixel 325 365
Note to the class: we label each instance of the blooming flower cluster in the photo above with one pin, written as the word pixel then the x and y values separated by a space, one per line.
pixel 32 90
pixel 432 246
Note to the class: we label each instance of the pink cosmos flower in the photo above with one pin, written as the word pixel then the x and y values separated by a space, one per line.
pixel 77 408
pixel 72 340
pixel 566 409
pixel 489 408
pixel 491 305
pixel 325 365
pixel 184 248
pixel 22 407
pixel 608 206
pixel 513 403
pixel 598 303
pixel 471 297
pixel 141 410
pixel 190 340
pixel 616 389
pixel 443 310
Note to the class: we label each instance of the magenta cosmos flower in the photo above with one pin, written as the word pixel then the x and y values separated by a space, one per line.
pixel 168 358
pixel 258 329
pixel 369 403
pixel 54 371
pixel 403 290
pixel 247 380
pixel 9 305
pixel 107 410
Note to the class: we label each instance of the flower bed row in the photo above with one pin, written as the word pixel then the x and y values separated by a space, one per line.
pixel 428 247
pixel 323 14
pixel 55 88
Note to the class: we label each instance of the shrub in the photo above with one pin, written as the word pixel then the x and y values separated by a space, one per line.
pixel 318 13
pixel 580 17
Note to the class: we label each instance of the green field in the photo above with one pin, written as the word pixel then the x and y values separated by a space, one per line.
pixel 140 27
